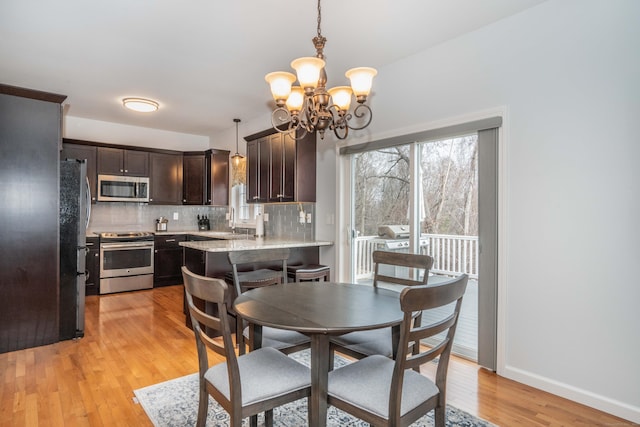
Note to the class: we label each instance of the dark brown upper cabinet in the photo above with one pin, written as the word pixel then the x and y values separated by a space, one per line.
pixel 206 178
pixel 281 169
pixel 217 176
pixel 117 161
pixel 72 150
pixel 258 164
pixel 193 178
pixel 165 178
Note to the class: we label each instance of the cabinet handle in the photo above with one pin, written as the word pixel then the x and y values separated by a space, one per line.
pixel 121 170
pixel 156 251
pixel 126 171
pixel 170 240
pixel 184 200
pixel 256 197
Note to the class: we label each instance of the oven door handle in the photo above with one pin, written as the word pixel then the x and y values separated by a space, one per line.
pixel 125 245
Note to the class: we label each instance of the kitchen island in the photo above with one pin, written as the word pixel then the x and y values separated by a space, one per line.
pixel 211 258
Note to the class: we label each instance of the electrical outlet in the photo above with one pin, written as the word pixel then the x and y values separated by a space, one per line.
pixel 308 218
pixel 226 216
pixel 176 216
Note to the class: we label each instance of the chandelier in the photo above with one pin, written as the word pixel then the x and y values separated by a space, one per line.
pixel 309 106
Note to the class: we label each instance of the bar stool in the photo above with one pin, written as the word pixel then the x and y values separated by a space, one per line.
pixel 283 340
pixel 309 272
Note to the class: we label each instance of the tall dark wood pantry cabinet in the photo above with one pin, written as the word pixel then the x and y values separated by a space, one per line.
pixel 30 142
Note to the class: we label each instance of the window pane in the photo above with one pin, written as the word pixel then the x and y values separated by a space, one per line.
pixel 381 189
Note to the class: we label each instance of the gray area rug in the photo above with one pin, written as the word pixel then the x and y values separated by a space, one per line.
pixel 174 403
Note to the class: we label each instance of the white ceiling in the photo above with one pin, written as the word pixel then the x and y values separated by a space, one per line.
pixel 204 61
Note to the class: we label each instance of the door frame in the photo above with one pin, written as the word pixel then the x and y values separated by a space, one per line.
pixel 343 214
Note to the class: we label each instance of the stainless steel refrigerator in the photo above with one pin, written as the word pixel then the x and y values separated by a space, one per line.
pixel 75 208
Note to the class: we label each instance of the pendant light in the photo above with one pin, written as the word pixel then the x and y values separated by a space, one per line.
pixel 237 157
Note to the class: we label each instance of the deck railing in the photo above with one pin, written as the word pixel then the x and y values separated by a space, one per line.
pixel 451 254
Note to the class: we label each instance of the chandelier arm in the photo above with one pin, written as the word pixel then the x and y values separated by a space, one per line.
pixel 280 116
pixel 341 132
pixel 360 111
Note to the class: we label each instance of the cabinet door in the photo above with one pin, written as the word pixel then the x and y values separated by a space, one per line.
pixel 283 166
pixel 217 185
pixel 136 163
pixel 258 165
pixel 89 154
pixel 165 179
pixel 118 161
pixel 193 179
pixel 110 161
pixel 305 169
pixel 167 260
pixel 92 266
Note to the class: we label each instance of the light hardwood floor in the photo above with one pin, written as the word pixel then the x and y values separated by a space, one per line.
pixel 139 338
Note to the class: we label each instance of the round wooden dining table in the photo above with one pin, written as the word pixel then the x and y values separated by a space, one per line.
pixel 320 310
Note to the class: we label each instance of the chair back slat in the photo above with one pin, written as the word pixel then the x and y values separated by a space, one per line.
pixel 432 296
pixel 263 255
pixel 399 259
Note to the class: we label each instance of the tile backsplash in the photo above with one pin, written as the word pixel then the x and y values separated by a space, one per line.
pixel 284 218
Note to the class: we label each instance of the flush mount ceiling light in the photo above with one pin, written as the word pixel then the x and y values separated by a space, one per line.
pixel 237 157
pixel 310 106
pixel 140 104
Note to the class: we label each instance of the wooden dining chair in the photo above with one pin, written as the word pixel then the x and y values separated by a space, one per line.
pixel 380 341
pixel 243 385
pixel 256 275
pixel 397 395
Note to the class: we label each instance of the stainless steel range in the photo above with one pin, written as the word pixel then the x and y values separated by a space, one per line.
pixel 126 261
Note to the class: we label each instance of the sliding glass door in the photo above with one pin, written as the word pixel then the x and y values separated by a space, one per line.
pixel 421 198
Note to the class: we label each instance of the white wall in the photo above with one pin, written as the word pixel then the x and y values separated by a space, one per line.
pixel 114 133
pixel 566 72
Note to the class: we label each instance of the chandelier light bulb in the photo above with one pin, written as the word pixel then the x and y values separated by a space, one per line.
pixel 341 97
pixel 308 71
pixel 295 100
pixel 280 83
pixel 361 80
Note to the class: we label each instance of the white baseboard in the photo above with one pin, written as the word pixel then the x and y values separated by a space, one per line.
pixel 602 403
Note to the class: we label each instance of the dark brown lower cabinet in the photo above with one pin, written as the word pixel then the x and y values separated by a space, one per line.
pixel 167 260
pixel 93 266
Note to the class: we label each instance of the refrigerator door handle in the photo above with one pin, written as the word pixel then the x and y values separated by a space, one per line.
pixel 88 206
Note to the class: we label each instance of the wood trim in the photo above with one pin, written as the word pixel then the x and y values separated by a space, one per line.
pixel 32 94
pixel 127 147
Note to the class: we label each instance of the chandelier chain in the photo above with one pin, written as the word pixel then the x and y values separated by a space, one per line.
pixel 319 20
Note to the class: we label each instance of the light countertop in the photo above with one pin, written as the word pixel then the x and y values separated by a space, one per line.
pixel 227 235
pixel 251 244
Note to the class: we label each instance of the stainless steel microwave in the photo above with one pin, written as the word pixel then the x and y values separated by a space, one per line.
pixel 116 188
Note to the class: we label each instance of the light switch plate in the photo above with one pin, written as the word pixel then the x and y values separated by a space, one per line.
pixel 308 218
pixel 265 217
pixel 176 216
